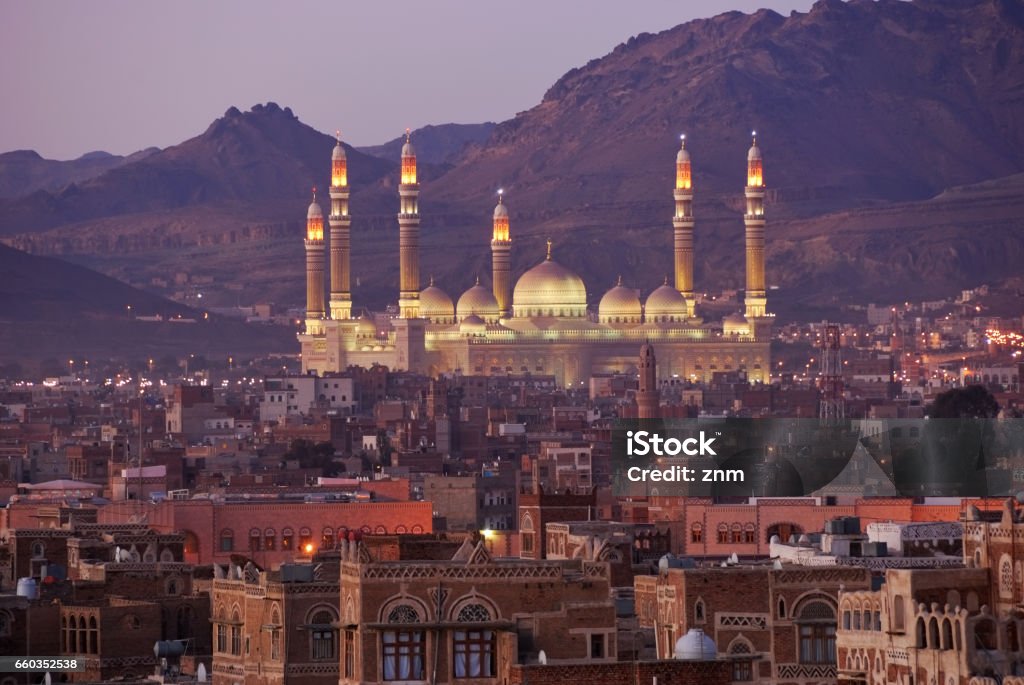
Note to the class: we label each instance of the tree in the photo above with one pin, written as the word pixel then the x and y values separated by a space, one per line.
pixel 972 402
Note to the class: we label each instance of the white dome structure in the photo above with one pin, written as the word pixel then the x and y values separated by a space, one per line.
pixel 735 324
pixel 472 325
pixel 549 289
pixel 478 301
pixel 696 645
pixel 620 305
pixel 436 305
pixel 665 305
pixel 314 211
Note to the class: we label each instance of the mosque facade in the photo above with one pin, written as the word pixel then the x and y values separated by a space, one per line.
pixel 542 324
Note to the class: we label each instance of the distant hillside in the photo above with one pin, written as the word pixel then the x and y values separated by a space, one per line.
pixel 25 171
pixel 49 307
pixel 867 113
pixel 434 144
pixel 265 157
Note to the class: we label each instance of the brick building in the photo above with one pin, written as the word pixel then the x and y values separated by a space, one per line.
pixel 538 508
pixel 777 624
pixel 951 626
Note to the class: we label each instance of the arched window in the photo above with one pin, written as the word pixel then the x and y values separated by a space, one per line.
pixel 866 620
pixel 933 634
pixel 698 611
pixel 327 539
pixel 816 627
pixel 227 540
pixel 83 636
pixel 856 620
pixel 947 634
pixel 305 538
pixel 723 534
pixel 697 533
pixel 269 539
pixel 898 608
pixel 254 539
pixel 846 620
pixel 94 634
pixel 402 648
pixel 749 534
pixel 287 536
pixel 323 638
pixel 782 608
pixel 737 533
pixel 222 632
pixel 921 639
pixel 173 587
pixel 742 668
pixel 38 549
pixel 474 649
pixel 236 633
pixel 1005 576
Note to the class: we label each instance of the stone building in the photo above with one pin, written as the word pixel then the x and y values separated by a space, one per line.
pixel 777 624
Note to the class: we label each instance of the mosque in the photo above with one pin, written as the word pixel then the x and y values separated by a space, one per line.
pixel 542 325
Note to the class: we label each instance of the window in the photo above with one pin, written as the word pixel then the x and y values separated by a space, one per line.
pixel 254 539
pixel 227 540
pixel 474 650
pixel 322 641
pixel 222 636
pixel 749 534
pixel 696 533
pixel 269 536
pixel 597 645
pixel 698 611
pixel 723 534
pixel 236 634
pixel 286 539
pixel 816 625
pixel 275 644
pixel 782 608
pixel 742 669
pixel 327 539
pixel 403 649
pixel 350 653
pixel 305 538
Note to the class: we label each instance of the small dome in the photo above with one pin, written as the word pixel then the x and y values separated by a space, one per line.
pixel 755 151
pixel 408 150
pixel 736 324
pixel 436 305
pixel 339 151
pixel 473 325
pixel 665 304
pixel 695 646
pixel 314 211
pixel 500 210
pixel 478 301
pixel 683 155
pixel 620 305
pixel 549 289
pixel 365 328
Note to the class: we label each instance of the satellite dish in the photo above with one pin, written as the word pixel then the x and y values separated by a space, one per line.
pixel 201 673
pixel 542 658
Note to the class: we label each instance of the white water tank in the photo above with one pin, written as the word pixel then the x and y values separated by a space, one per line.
pixel 27 588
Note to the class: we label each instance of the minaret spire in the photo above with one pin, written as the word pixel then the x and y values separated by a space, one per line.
pixel 314 268
pixel 682 224
pixel 755 299
pixel 501 254
pixel 409 234
pixel 341 240
pixel 647 399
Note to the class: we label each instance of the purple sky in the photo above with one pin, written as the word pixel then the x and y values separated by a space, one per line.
pixel 126 74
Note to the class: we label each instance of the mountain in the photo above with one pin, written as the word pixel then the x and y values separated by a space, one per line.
pixel 434 144
pixel 868 114
pixel 25 171
pixel 259 160
pixel 51 308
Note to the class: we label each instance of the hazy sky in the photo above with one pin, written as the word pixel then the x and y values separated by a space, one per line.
pixel 119 76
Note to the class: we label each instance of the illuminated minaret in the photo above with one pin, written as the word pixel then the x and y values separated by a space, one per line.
pixel 754 299
pixel 341 241
pixel 409 235
pixel 501 251
pixel 682 223
pixel 647 399
pixel 314 269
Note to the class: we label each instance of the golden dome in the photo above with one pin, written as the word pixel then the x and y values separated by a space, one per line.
pixel 436 305
pixel 472 325
pixel 736 324
pixel 620 305
pixel 549 289
pixel 478 301
pixel 365 328
pixel 665 304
